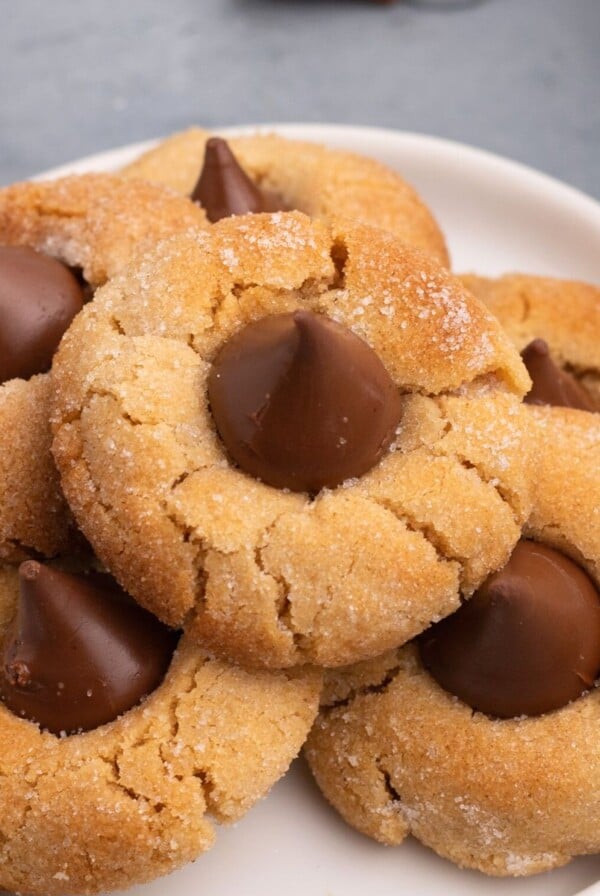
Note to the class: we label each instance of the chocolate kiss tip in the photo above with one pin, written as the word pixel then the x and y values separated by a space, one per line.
pixel 302 316
pixel 217 149
pixel 307 323
pixel 223 188
pixel 79 651
pixel 551 385
pixel 527 642
pixel 218 154
pixel 539 346
pixel 301 402
pixel 30 570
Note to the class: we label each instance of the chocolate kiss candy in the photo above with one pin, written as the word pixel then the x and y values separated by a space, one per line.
pixel 526 643
pixel 39 297
pixel 224 188
pixel 301 402
pixel 80 652
pixel 551 385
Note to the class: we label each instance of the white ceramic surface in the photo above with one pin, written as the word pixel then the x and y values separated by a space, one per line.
pixel 498 216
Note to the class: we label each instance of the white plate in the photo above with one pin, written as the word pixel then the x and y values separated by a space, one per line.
pixel 498 216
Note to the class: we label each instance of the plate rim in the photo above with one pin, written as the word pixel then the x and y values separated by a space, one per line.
pixel 534 178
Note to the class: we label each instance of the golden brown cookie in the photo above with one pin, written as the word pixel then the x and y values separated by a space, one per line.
pixel 138 797
pixel 267 576
pixel 566 461
pixel 91 223
pixel 396 754
pixel 565 313
pixel 314 179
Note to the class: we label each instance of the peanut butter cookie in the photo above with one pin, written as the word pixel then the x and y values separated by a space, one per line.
pixel 301 440
pixel 480 738
pixel 311 178
pixel 565 314
pixel 59 241
pixel 114 801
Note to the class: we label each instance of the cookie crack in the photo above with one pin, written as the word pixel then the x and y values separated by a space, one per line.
pixel 93 496
pixel 208 789
pixel 173 709
pixel 284 604
pixel 45 209
pixel 433 536
pixel 185 688
pixel 525 312
pixel 283 607
pixel 303 639
pixel 393 795
pixel 339 258
pixel 33 779
pixel 93 392
pixel 240 287
pixel 4 840
pixel 97 496
pixel 503 492
pixel 112 762
pixel 200 773
pixel 16 550
pixel 310 288
pixel 189 536
pixel 508 497
pixel 117 326
pixel 377 687
pixel 114 780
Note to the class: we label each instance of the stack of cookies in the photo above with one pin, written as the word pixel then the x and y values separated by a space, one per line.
pixel 272 476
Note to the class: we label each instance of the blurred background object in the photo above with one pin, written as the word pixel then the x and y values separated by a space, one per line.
pixel 519 77
pixel 444 4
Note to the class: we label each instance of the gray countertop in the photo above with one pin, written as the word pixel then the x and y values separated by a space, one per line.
pixel 519 77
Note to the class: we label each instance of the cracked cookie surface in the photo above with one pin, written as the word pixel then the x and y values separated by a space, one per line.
pixel 565 313
pixel 395 754
pixel 264 576
pixel 566 495
pixel 138 797
pixel 92 223
pixel 314 179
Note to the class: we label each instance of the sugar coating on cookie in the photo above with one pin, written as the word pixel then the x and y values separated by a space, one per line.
pixel 92 223
pixel 259 574
pixel 138 797
pixel 311 178
pixel 33 513
pixel 565 453
pixel 396 754
pixel 565 313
